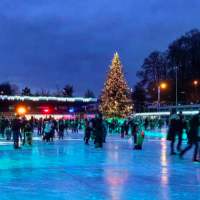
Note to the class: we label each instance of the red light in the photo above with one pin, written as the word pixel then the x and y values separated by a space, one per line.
pixel 46 110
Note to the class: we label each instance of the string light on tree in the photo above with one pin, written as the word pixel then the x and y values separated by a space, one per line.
pixel 116 99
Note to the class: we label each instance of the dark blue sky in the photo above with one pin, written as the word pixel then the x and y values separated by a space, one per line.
pixel 48 43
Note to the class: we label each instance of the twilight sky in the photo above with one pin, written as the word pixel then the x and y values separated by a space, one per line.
pixel 48 43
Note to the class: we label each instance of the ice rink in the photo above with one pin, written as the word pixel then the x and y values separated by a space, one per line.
pixel 69 170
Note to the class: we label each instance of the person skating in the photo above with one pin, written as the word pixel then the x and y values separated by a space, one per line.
pixel 194 138
pixel 98 131
pixel 39 127
pixel 122 130
pixel 134 129
pixel 126 127
pixel 137 135
pixel 88 131
pixel 61 129
pixel 146 123
pixel 140 139
pixel 47 131
pixel 2 126
pixel 181 126
pixel 173 130
pixel 16 126
pixel 54 129
pixel 28 132
pixel 8 132
pixel 23 124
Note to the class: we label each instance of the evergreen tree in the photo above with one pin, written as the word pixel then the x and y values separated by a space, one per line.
pixel 116 98
pixel 26 91
pixel 182 55
pixel 68 91
pixel 8 89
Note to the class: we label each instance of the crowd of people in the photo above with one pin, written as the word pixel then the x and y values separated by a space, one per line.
pixel 177 123
pixel 21 130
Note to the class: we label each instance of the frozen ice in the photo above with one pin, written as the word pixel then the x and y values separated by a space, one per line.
pixel 70 170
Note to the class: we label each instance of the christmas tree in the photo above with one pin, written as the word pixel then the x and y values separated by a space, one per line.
pixel 116 98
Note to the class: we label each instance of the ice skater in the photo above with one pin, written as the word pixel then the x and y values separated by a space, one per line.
pixel 61 129
pixel 88 131
pixel 194 138
pixel 16 128
pixel 173 130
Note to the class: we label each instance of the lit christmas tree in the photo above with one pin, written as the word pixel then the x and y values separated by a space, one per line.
pixel 116 99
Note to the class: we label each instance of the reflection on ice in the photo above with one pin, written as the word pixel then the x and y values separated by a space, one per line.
pixel 116 181
pixel 71 170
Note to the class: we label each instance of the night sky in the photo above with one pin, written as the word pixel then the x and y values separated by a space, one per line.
pixel 48 43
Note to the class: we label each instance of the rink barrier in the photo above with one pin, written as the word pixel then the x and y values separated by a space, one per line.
pixel 145 114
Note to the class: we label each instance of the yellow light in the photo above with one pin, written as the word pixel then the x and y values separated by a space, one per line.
pixel 163 85
pixel 195 82
pixel 21 110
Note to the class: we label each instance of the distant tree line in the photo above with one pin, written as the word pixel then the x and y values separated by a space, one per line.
pixel 67 91
pixel 181 58
pixel 182 55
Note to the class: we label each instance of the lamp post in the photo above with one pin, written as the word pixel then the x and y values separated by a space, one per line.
pixel 158 103
pixel 161 86
pixel 176 72
pixel 195 83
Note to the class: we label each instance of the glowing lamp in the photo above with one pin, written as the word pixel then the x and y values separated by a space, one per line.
pixel 195 82
pixel 163 86
pixel 21 110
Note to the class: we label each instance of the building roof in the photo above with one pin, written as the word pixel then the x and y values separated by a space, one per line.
pixel 45 98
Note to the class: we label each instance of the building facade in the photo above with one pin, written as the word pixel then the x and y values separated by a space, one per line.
pixel 43 106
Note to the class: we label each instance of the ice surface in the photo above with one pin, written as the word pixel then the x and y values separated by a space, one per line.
pixel 69 170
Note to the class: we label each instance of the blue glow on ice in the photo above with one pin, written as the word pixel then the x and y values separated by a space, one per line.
pixel 70 170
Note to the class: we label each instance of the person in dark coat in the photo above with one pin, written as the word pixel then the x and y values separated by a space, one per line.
pixel 2 126
pixel 47 130
pixel 126 127
pixel 98 131
pixel 122 130
pixel 8 130
pixel 39 126
pixel 146 123
pixel 88 131
pixel 180 127
pixel 16 126
pixel 54 127
pixel 61 129
pixel 193 137
pixel 173 130
pixel 134 129
pixel 28 133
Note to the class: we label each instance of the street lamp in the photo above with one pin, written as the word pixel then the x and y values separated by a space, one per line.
pixel 176 72
pixel 195 83
pixel 21 110
pixel 161 86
